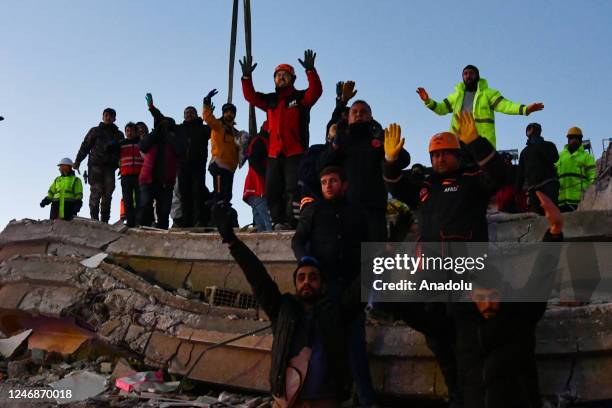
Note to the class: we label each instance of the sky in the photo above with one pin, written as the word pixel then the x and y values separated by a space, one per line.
pixel 63 62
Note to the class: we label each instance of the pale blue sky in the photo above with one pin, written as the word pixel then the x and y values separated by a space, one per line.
pixel 62 62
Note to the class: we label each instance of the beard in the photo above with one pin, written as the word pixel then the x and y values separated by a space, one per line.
pixel 471 86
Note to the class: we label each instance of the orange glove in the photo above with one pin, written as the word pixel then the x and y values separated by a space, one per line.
pixel 552 213
pixel 423 94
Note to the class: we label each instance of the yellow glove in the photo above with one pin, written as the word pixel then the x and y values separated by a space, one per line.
pixel 393 142
pixel 467 127
pixel 348 90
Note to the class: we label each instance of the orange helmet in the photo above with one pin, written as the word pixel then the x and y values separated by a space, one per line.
pixel 444 141
pixel 285 67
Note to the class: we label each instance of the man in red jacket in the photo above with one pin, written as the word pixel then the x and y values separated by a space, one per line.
pixel 288 113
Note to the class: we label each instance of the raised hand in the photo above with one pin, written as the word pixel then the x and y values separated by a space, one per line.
pixel 209 96
pixel 534 107
pixel 309 60
pixel 423 94
pixel 552 213
pixel 339 86
pixel 348 90
pixel 393 142
pixel 467 127
pixel 149 99
pixel 247 66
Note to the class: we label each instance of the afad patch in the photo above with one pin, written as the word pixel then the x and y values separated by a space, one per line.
pixel 424 194
pixel 292 104
pixel 376 143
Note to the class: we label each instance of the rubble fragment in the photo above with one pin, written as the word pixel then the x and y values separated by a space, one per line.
pixel 10 345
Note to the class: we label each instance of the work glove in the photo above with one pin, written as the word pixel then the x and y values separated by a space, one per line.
pixel 423 94
pixel 45 201
pixel 149 99
pixel 393 142
pixel 247 66
pixel 339 86
pixel 348 90
pixel 77 206
pixel 534 107
pixel 208 98
pixel 309 60
pixel 552 213
pixel 221 215
pixel 467 127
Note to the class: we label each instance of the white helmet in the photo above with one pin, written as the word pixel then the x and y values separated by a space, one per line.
pixel 66 161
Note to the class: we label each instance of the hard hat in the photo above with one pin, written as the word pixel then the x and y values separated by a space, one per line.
pixel 66 161
pixel 444 141
pixel 574 131
pixel 285 67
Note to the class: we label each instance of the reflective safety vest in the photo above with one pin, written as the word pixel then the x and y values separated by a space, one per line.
pixel 65 188
pixel 486 102
pixel 576 173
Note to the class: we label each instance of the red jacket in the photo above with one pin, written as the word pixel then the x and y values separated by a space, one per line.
pixel 255 183
pixel 288 113
pixel 130 159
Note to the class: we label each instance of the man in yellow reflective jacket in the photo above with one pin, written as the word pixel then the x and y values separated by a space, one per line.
pixel 474 95
pixel 576 170
pixel 65 194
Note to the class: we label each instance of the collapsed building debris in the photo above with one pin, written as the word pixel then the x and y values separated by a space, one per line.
pixel 167 297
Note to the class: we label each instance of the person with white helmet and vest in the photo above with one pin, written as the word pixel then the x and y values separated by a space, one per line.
pixel 65 193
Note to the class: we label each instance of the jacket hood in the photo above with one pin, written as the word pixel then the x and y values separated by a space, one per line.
pixel 482 85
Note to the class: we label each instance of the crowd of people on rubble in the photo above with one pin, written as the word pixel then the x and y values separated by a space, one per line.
pixel 336 196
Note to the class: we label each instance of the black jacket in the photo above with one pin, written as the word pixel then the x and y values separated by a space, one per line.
pixel 359 149
pixel 332 232
pixel 452 207
pixel 285 310
pixel 496 356
pixel 537 164
pixel 195 135
pixel 309 182
pixel 100 144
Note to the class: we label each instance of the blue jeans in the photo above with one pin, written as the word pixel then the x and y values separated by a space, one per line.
pixel 261 216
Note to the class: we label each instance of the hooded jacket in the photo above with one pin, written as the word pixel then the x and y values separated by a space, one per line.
pixel 537 163
pixel 487 101
pixel 223 147
pixel 576 173
pixel 288 113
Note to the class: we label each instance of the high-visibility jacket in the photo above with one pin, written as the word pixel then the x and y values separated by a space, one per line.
pixel 65 188
pixel 576 173
pixel 486 102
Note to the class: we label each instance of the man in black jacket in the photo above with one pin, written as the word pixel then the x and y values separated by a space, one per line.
pixel 331 230
pixel 536 168
pixel 358 148
pixel 99 144
pixel 496 339
pixel 452 207
pixel 191 170
pixel 309 328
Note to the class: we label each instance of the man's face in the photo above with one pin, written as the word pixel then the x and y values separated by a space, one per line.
pixel 142 131
pixel 130 132
pixel 108 118
pixel 332 186
pixel 308 285
pixel 487 301
pixel 190 114
pixel 444 161
pixel 282 79
pixel 470 77
pixel 229 116
pixel 64 169
pixel 359 113
pixel 574 141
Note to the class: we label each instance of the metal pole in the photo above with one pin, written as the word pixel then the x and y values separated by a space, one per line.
pixel 247 41
pixel 232 58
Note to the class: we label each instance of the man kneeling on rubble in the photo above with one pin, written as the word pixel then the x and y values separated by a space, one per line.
pixel 309 360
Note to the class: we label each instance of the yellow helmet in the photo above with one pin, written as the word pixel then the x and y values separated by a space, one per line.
pixel 574 131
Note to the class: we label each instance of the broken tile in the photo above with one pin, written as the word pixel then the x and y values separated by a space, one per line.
pixel 94 261
pixel 8 346
pixel 129 383
pixel 82 384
